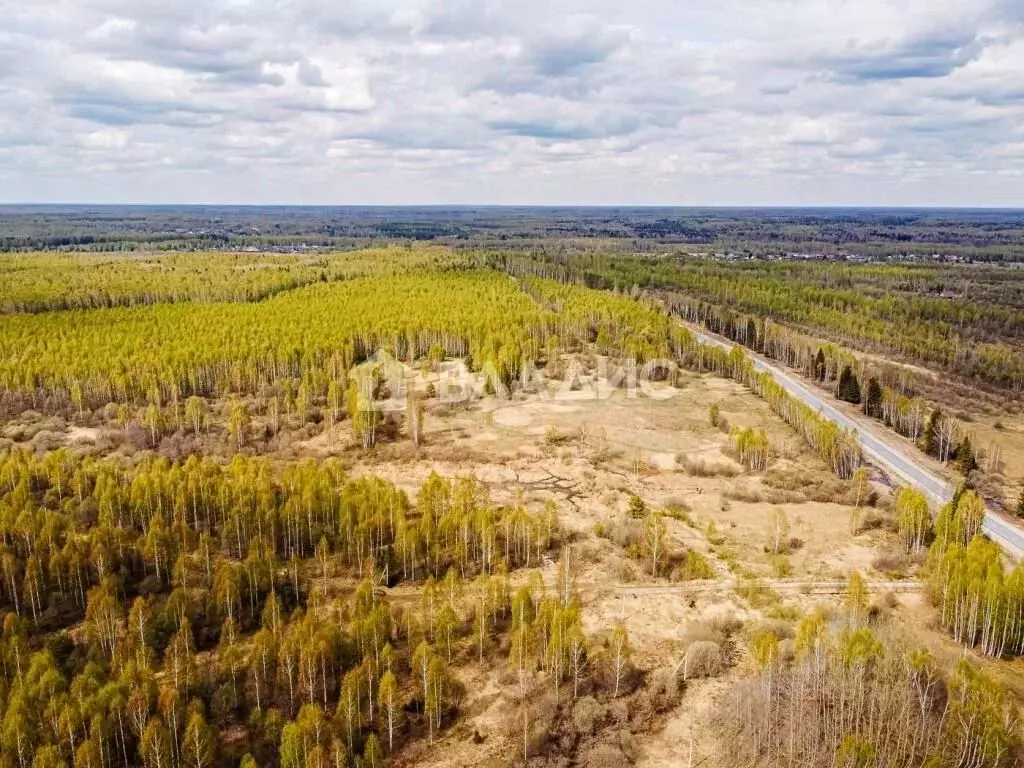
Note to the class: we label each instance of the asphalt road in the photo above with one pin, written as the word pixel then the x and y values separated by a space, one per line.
pixel 890 458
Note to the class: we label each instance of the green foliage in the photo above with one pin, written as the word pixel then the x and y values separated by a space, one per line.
pixel 764 647
pixel 312 333
pixel 855 752
pixel 965 459
pixel 873 307
pixel 913 518
pixel 637 508
pixel 38 282
pixel 695 566
pixel 757 593
pixel 221 555
pixel 873 399
pixel 849 387
pixel 751 446
pixel 980 601
pixel 781 566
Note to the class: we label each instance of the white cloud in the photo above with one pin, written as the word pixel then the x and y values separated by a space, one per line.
pixel 535 101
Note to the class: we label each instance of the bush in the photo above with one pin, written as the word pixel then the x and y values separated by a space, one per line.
pixel 587 714
pixel 678 510
pixel 704 658
pixel 717 629
pixel 701 468
pixel 606 755
pixel 693 566
pixel 554 437
pixel 894 563
pixel 781 566
pixel 745 495
pixel 637 507
pixel 713 415
pixel 624 533
pixel 758 594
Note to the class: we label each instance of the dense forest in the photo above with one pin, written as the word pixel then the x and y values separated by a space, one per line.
pixel 149 608
pixel 38 282
pixel 967 321
pixel 876 234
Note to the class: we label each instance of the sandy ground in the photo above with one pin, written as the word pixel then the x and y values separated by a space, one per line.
pixel 590 455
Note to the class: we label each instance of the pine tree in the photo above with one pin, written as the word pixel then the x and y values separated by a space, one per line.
pixel 873 399
pixel 965 459
pixel 637 507
pixel 849 388
pixel 819 366
pixel 751 340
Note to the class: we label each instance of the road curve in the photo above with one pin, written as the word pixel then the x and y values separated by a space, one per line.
pixel 887 457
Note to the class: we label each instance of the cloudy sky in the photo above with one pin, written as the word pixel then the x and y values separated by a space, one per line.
pixel 674 102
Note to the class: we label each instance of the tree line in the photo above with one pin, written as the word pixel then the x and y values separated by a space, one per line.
pixel 963 321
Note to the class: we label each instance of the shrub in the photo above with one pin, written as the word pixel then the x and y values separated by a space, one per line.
pixel 781 566
pixel 694 566
pixel 606 756
pixel 587 714
pixel 758 594
pixel 554 436
pixel 637 507
pixel 893 563
pixel 701 468
pixel 713 415
pixel 704 658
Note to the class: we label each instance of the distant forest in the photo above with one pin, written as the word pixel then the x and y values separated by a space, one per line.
pixel 856 233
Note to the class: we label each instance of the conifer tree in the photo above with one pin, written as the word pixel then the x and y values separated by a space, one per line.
pixel 873 398
pixel 848 388
pixel 965 459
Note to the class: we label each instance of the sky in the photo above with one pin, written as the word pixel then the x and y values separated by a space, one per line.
pixel 543 102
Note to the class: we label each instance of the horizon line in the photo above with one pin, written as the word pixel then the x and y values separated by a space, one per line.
pixel 535 206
